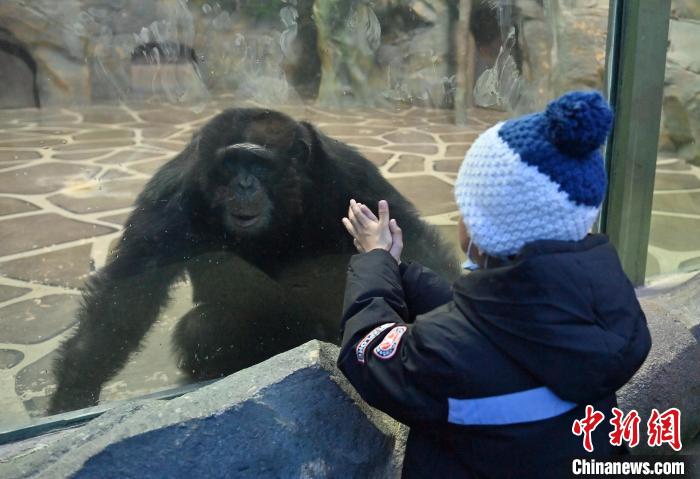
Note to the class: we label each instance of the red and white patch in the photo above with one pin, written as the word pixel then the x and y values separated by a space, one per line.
pixel 387 348
pixel 362 345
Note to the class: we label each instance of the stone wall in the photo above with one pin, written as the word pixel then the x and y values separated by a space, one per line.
pixel 339 51
pixel 563 43
pixel 83 49
pixel 49 32
pixel 680 127
pixel 563 47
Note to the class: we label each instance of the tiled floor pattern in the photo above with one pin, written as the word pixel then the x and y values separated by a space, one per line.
pixel 68 178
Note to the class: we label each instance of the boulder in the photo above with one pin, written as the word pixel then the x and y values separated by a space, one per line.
pixel 290 416
pixel 685 9
pixel 563 48
pixel 670 377
pixel 580 32
pixel 416 52
pixel 349 34
pixel 51 34
pixel 18 74
pixel 384 52
pixel 83 48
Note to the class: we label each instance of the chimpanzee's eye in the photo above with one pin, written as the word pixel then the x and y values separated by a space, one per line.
pixel 300 150
pixel 230 163
pixel 258 169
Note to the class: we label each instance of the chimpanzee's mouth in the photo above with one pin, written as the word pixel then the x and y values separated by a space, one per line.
pixel 245 221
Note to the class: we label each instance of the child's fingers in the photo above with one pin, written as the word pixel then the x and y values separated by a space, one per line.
pixel 358 246
pixel 349 227
pixel 357 214
pixel 393 226
pixel 352 217
pixel 383 208
pixel 357 226
pixel 396 233
pixel 368 213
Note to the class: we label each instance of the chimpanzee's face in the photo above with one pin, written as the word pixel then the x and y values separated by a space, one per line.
pixel 255 177
pixel 249 171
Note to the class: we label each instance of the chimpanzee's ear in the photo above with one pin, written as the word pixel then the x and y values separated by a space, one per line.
pixel 301 150
pixel 324 147
pixel 311 142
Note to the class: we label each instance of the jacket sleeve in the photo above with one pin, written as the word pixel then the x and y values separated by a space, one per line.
pixel 424 289
pixel 381 354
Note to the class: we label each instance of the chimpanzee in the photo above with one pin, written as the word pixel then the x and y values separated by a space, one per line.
pixel 250 211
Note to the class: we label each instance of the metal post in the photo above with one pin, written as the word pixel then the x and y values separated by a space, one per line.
pixel 635 68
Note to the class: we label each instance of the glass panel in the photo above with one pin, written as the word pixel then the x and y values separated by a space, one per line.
pixel 98 95
pixel 674 239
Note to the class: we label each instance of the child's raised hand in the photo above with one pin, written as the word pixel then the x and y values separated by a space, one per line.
pixel 396 234
pixel 370 232
pixel 370 214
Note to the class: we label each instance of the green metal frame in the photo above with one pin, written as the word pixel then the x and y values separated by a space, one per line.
pixel 635 68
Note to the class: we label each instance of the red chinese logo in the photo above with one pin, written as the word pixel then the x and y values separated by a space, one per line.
pixel 587 425
pixel 625 428
pixel 665 428
pixel 662 428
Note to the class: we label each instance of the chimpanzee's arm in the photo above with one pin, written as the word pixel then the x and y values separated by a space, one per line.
pixel 122 301
pixel 120 304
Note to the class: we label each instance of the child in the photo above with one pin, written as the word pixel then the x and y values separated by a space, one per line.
pixel 491 374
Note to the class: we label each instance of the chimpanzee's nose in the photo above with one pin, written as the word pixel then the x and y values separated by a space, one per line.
pixel 246 181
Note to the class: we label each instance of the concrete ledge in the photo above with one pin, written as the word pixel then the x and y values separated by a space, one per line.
pixel 290 416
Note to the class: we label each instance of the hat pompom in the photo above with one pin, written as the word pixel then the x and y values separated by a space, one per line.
pixel 578 122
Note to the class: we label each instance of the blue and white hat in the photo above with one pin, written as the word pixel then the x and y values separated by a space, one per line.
pixel 540 176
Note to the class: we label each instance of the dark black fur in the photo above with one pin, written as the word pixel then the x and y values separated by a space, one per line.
pixel 256 294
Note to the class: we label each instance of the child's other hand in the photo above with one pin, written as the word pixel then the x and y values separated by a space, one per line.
pixel 396 240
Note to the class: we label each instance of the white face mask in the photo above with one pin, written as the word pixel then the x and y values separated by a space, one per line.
pixel 470 264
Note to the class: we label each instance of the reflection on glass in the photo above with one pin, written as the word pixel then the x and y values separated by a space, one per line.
pixel 674 238
pixel 97 95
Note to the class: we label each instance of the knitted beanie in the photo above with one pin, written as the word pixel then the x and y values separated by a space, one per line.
pixel 540 176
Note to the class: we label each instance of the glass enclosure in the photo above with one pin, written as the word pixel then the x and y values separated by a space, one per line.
pixel 97 95
pixel 674 237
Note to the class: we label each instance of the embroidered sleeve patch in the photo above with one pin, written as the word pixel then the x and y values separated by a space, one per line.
pixel 362 345
pixel 387 348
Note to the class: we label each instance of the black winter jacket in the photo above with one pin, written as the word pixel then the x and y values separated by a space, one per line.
pixel 491 374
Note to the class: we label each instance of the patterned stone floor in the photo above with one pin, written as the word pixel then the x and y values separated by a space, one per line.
pixel 67 181
pixel 68 178
pixel 674 238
